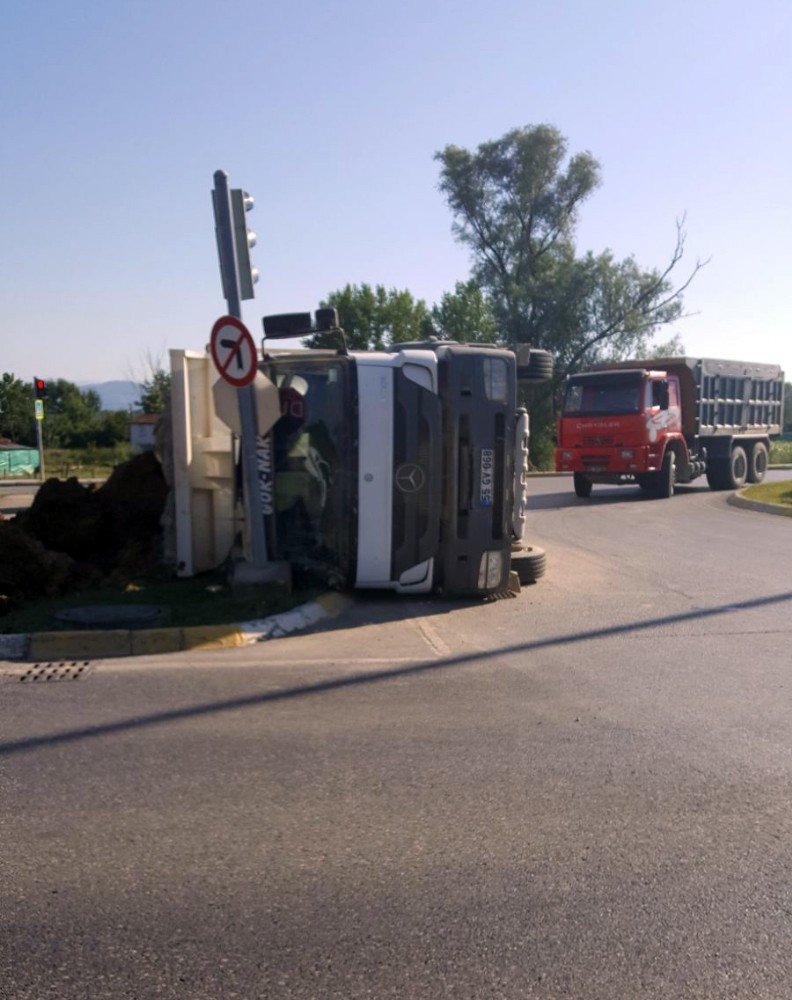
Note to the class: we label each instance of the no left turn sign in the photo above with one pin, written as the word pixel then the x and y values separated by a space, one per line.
pixel 233 351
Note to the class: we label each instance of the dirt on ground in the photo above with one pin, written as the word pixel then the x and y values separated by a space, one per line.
pixel 75 535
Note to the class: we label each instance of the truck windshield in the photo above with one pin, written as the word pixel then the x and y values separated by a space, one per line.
pixel 612 394
pixel 314 467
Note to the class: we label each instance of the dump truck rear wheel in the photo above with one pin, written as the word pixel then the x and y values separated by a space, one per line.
pixel 582 485
pixel 757 464
pixel 718 474
pixel 530 564
pixel 738 467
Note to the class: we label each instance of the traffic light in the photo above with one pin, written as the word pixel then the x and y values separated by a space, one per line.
pixel 244 239
pixel 40 388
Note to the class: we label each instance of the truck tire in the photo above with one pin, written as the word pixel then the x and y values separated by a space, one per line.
pixel 666 477
pixel 582 485
pixel 539 367
pixel 728 473
pixel 738 467
pixel 757 462
pixel 530 564
pixel 718 473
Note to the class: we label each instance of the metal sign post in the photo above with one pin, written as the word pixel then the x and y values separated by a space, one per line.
pixel 247 407
pixel 39 407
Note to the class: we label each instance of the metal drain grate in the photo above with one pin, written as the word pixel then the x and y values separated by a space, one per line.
pixel 56 671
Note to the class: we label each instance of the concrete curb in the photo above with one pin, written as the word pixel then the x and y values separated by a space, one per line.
pixel 50 646
pixel 738 500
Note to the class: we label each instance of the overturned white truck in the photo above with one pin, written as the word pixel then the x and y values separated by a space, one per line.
pixel 402 470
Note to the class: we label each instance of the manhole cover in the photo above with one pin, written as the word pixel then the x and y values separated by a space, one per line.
pixel 113 616
pixel 56 672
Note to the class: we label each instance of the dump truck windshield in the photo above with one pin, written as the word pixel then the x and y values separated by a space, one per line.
pixel 607 394
pixel 314 474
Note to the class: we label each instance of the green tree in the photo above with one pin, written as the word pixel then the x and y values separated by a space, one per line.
pixel 373 318
pixel 515 202
pixel 16 410
pixel 71 415
pixel 155 391
pixel 465 315
pixel 112 428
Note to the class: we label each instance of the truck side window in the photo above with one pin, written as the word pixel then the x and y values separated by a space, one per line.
pixel 660 395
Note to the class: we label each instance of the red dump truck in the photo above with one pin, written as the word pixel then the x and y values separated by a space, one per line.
pixel 664 421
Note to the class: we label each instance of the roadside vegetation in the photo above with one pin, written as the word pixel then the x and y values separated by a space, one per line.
pixel 778 494
pixel 204 600
pixel 85 463
pixel 781 453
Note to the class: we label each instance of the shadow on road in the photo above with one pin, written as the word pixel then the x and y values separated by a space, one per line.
pixel 602 496
pixel 372 677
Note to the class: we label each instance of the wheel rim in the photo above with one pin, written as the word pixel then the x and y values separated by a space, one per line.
pixel 760 462
pixel 739 467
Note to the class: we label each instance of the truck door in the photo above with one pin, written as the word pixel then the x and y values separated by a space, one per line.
pixel 663 412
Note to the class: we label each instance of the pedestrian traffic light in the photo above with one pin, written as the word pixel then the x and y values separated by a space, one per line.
pixel 40 387
pixel 244 239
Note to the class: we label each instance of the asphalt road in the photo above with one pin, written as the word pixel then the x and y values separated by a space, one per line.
pixel 582 792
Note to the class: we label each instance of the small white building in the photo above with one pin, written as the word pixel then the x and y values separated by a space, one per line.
pixel 141 430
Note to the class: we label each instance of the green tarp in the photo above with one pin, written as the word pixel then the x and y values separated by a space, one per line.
pixel 18 463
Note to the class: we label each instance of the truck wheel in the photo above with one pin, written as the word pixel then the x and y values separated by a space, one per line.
pixel 738 467
pixel 530 564
pixel 757 464
pixel 666 477
pixel 539 367
pixel 582 485
pixel 718 473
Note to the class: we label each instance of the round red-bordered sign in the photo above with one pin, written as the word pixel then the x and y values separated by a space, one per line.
pixel 233 351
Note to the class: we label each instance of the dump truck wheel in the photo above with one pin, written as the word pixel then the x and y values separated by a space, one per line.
pixel 539 367
pixel 666 477
pixel 530 564
pixel 718 473
pixel 757 463
pixel 738 467
pixel 582 485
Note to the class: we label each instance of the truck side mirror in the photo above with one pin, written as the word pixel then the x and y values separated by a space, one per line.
pixel 287 326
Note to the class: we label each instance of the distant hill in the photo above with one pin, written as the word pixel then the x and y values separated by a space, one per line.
pixel 116 395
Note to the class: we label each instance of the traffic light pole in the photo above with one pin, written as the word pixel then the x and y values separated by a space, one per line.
pixel 40 440
pixel 247 399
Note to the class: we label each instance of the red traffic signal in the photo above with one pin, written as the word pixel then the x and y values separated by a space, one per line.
pixel 40 387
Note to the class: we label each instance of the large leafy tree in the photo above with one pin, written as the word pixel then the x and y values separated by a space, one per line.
pixel 155 391
pixel 466 315
pixel 16 410
pixel 516 202
pixel 373 318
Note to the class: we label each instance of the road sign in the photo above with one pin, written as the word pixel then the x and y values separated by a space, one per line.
pixel 39 404
pixel 233 351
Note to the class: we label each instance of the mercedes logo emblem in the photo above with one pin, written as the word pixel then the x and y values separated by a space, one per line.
pixel 410 478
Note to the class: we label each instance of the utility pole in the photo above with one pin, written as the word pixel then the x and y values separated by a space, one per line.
pixel 239 276
pixel 40 391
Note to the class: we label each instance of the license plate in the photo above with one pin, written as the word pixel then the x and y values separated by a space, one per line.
pixel 486 485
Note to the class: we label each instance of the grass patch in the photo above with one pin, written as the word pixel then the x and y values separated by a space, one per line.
pixel 779 494
pixel 84 463
pixel 203 600
pixel 780 452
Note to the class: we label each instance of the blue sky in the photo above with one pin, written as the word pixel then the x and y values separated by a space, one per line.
pixel 115 117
